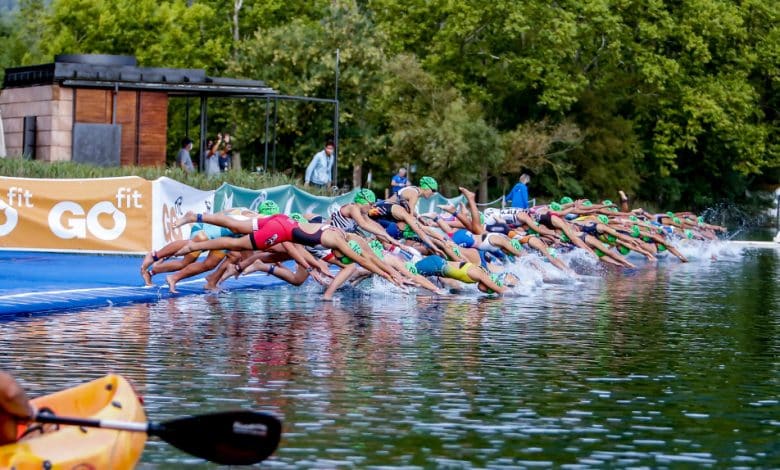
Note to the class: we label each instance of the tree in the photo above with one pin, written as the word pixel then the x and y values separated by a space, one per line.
pixel 298 58
pixel 434 126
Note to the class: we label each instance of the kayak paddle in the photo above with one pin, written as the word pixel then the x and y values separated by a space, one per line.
pixel 228 438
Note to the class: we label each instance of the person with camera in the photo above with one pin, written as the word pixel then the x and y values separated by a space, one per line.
pixel 211 165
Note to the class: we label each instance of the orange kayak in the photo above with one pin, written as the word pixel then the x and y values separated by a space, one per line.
pixel 69 447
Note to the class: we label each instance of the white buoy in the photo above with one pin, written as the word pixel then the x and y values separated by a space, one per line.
pixel 777 237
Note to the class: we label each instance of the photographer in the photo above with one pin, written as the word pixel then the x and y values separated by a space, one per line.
pixel 226 155
pixel 212 156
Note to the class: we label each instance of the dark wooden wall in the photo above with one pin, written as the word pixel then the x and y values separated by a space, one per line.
pixel 142 114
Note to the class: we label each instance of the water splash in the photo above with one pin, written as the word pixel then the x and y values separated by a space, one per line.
pixel 733 216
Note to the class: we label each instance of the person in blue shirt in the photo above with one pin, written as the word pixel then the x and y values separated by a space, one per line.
pixel 319 171
pixel 399 181
pixel 518 196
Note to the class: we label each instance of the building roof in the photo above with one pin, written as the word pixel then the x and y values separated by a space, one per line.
pixel 122 72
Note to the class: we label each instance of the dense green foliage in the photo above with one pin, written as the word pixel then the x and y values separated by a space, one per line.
pixel 23 168
pixel 673 102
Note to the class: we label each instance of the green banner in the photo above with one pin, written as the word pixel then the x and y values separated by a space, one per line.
pixel 292 199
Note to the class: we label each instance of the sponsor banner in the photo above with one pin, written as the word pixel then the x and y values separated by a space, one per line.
pixel 292 199
pixel 107 214
pixel 171 201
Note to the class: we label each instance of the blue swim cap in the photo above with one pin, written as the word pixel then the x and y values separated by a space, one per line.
pixel 463 238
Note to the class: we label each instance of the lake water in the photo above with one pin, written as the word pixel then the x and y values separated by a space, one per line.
pixel 662 365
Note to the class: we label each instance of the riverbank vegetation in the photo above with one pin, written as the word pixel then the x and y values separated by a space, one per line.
pixel 24 168
pixel 675 103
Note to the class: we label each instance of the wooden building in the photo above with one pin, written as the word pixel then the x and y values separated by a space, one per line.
pixel 103 109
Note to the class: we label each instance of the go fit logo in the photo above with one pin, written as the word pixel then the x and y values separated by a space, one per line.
pixel 68 219
pixel 77 225
pixel 18 197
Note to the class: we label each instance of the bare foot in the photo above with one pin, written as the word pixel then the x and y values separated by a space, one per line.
pixel 210 285
pixel 469 194
pixel 171 284
pixel 147 277
pixel 187 218
pixel 230 271
pixel 148 260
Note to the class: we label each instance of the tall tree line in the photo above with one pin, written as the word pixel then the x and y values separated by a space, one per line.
pixel 675 103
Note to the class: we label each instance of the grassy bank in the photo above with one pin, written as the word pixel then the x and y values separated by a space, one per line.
pixel 22 168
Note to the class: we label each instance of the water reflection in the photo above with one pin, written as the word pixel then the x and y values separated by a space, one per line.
pixel 650 367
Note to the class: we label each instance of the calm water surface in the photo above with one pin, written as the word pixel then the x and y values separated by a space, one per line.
pixel 652 367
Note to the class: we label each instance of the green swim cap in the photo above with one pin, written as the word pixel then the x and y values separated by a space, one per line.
pixel 497 279
pixel 635 231
pixel 427 182
pixel 700 219
pixel 552 252
pixel 566 200
pixel 532 232
pixel 676 220
pixel 603 219
pixel 598 252
pixel 355 246
pixel 607 202
pixel 614 209
pixel 269 207
pixel 456 250
pixel 688 233
pixel 298 217
pixel 670 214
pixel 365 196
pixel 623 250
pixel 409 232
pixel 516 244
pixel 587 203
pixel 377 248
pixel 661 247
pixel 411 267
pixel 611 238
pixel 555 206
pixel 633 218
pixel 565 238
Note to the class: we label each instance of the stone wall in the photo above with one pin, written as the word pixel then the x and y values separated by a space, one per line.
pixel 53 107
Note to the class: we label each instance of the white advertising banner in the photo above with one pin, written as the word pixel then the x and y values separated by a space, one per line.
pixel 171 201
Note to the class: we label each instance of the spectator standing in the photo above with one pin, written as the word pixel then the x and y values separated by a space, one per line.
pixel 319 171
pixel 183 159
pixel 225 158
pixel 519 194
pixel 399 181
pixel 212 157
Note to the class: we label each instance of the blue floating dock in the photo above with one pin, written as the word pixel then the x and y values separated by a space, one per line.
pixel 35 282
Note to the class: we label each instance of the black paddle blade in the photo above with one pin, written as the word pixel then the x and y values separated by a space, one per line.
pixel 229 438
